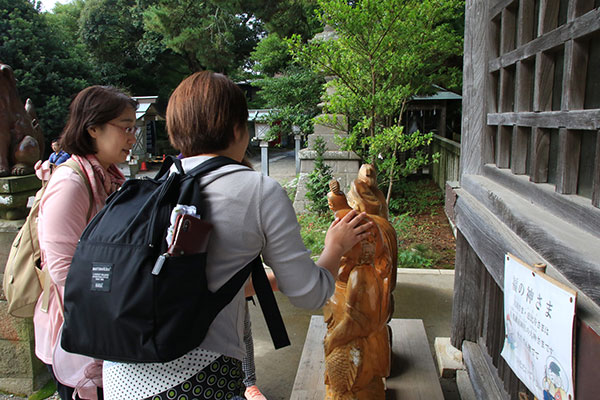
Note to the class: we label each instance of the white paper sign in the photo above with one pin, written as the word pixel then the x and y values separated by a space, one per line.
pixel 538 319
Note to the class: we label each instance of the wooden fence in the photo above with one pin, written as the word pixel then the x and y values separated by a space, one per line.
pixel 447 168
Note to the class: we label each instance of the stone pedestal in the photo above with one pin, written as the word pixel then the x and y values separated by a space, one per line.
pixel 14 194
pixel 344 164
pixel 20 370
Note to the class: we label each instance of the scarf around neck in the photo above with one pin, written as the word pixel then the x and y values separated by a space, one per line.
pixel 103 182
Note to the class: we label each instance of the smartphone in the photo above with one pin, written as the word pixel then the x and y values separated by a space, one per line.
pixel 190 236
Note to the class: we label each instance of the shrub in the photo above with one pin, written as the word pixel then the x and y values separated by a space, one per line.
pixel 318 180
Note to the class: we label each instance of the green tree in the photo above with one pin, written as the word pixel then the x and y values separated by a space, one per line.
pixel 271 55
pixel 216 35
pixel 123 53
pixel 294 95
pixel 291 89
pixel 47 68
pixel 384 53
pixel 317 185
pixel 290 17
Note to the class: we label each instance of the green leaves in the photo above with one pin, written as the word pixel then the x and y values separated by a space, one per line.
pixel 380 55
pixel 48 69
pixel 318 180
pixel 272 55
pixel 216 35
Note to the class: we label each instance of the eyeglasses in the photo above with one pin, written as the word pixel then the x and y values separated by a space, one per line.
pixel 129 130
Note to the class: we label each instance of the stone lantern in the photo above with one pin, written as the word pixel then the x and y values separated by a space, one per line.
pixel 261 129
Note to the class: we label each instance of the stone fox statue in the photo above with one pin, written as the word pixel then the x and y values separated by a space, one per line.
pixel 357 343
pixel 21 137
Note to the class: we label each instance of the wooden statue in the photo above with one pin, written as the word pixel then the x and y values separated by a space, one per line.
pixel 21 137
pixel 357 343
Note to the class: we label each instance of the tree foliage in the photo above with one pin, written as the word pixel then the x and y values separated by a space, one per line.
pixel 271 55
pixel 384 53
pixel 290 17
pixel 293 90
pixel 210 34
pixel 317 185
pixel 294 95
pixel 143 46
pixel 48 69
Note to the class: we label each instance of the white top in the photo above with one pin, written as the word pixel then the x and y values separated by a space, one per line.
pixel 251 214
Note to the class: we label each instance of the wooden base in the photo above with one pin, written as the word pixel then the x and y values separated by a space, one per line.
pixel 413 374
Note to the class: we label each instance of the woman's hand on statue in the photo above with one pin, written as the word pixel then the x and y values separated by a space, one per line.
pixel 345 232
pixel 342 235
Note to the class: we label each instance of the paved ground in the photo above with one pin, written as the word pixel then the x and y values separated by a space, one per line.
pixel 421 294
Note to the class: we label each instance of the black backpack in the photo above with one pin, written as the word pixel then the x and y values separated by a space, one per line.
pixel 117 309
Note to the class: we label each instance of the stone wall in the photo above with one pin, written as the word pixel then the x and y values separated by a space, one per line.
pixel 20 370
pixel 344 164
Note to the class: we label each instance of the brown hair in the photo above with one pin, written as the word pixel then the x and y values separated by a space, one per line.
pixel 93 106
pixel 203 112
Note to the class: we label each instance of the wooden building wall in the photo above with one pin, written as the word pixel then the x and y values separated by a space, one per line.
pixel 529 174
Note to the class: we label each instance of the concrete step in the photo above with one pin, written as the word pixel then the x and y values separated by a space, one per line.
pixel 413 373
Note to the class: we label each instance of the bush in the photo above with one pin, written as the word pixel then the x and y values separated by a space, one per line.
pixel 414 196
pixel 318 181
pixel 313 228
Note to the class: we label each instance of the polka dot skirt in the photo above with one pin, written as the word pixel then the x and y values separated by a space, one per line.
pixel 133 381
pixel 221 380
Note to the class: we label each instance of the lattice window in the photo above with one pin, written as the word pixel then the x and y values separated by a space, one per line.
pixel 545 100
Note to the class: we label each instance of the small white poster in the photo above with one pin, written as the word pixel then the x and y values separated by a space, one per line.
pixel 538 346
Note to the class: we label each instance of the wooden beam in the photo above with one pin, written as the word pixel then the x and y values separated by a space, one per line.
pixel 569 150
pixel 543 82
pixel 596 187
pixel 520 150
pixel 523 86
pixel 563 243
pixel 525 22
pixel 466 307
pixel 587 120
pixel 576 209
pixel 574 75
pixel 494 313
pixel 476 89
pixel 580 28
pixel 504 146
pixel 491 239
pixel 483 374
pixel 579 7
pixel 540 153
pixel 509 31
pixel 507 90
pixel 498 6
pixel 413 374
pixel 548 16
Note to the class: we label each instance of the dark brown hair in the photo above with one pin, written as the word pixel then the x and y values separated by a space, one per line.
pixel 93 106
pixel 203 112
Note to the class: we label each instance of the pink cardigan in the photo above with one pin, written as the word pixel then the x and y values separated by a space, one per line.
pixel 62 218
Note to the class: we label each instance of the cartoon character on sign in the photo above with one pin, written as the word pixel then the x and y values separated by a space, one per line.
pixel 555 386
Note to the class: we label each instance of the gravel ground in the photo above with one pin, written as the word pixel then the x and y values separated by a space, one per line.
pixel 3 396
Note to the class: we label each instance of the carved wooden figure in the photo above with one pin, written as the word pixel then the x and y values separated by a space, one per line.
pixel 21 137
pixel 357 343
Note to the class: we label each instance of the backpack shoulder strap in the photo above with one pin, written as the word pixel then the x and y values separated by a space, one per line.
pixel 186 195
pixel 74 165
pixel 268 305
pixel 265 295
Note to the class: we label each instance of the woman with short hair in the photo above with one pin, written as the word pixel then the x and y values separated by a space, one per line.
pixel 251 215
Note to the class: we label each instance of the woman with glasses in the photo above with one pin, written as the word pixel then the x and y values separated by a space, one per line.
pixel 99 134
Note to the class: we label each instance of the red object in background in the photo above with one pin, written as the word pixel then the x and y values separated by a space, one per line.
pixel 143 166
